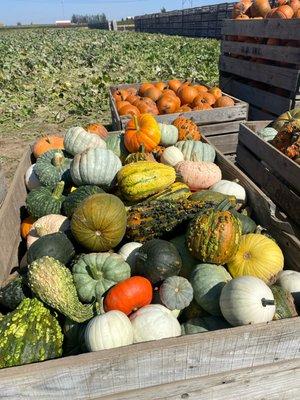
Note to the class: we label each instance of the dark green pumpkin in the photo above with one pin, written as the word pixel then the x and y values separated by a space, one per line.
pixel 55 245
pixel 188 261
pixel 74 337
pixel 284 303
pixel 13 291
pixel 248 225
pixel 204 324
pixel 76 197
pixel 52 167
pixel 192 311
pixel 222 201
pixel 44 201
pixel 157 260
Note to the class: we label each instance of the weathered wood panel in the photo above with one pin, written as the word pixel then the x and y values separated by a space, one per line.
pixel 256 114
pixel 220 128
pixel 227 144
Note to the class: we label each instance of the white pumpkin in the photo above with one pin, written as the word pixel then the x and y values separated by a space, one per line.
pixel 290 281
pixel 247 300
pixel 46 225
pixel 171 156
pixel 154 322
pixel 107 331
pixel 168 134
pixel 129 251
pixel 230 188
pixel 77 140
pixel 31 179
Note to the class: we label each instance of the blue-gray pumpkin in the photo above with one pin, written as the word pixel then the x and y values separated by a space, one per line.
pixel 169 134
pixel 193 150
pixel 77 140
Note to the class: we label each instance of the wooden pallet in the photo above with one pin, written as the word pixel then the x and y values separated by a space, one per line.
pixel 258 73
pixel 274 172
pixel 221 125
pixel 254 361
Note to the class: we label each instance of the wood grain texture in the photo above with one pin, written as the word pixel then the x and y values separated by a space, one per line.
pixel 227 144
pixel 100 374
pixel 265 51
pixel 220 128
pixel 280 77
pixel 256 114
pixel 266 28
pixel 3 188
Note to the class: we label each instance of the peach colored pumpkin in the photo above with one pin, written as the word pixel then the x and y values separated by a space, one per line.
pixel 199 175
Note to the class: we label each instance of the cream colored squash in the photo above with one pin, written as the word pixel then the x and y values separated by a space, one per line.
pixel 230 188
pixel 171 156
pixel 31 179
pixel 154 322
pixel 247 300
pixel 107 331
pixel 129 251
pixel 77 140
pixel 290 281
pixel 46 225
pixel 257 256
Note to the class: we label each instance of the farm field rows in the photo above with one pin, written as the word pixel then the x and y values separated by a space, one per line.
pixel 51 79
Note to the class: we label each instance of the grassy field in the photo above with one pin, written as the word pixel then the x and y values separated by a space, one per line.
pixel 51 79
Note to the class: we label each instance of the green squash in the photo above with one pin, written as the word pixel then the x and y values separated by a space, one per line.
pixel 115 143
pixel 176 293
pixel 99 223
pixel 29 334
pixel 76 197
pixel 204 324
pixel 13 291
pixel 192 311
pixel 168 135
pixel 52 167
pixel 248 225
pixel 176 191
pixel 74 338
pixel 53 283
pixel 208 281
pixel 188 261
pixel 55 245
pixel 157 260
pixel 193 150
pixel 267 133
pixel 95 273
pixel 43 201
pixel 223 201
pixel 284 303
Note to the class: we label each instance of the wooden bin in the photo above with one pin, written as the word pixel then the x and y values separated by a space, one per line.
pixel 221 125
pixel 255 361
pixel 274 172
pixel 258 73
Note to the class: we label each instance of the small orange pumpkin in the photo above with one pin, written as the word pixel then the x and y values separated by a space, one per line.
pixel 121 103
pixel 201 88
pixel 146 106
pixel 168 92
pixel 168 104
pixel 187 93
pixel 129 110
pixel 26 225
pixel 297 15
pixel 174 84
pixel 242 16
pixel 216 92
pixel 131 91
pixel 46 143
pixel 160 85
pixel 132 98
pixel 144 87
pixel 224 101
pixel 153 93
pixel 98 129
pixel 142 131
pixel 120 95
pixel 184 108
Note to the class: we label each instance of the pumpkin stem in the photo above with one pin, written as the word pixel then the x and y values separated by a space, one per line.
pixel 58 190
pixel 136 122
pixel 57 160
pixel 142 148
pixel 265 302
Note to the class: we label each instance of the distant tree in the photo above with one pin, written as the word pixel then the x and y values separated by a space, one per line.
pixel 19 24
pixel 163 10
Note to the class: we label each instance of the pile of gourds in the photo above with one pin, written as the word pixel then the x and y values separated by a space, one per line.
pixel 259 9
pixel 134 237
pixel 170 97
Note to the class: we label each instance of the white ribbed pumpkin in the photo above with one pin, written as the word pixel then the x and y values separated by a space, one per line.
pixel 199 174
pixel 171 156
pixel 95 167
pixel 230 188
pixel 290 281
pixel 77 140
pixel 46 225
pixel 129 251
pixel 193 150
pixel 154 322
pixel 107 331
pixel 169 134
pixel 247 300
pixel 31 179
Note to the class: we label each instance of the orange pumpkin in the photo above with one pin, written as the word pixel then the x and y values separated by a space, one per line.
pixel 297 15
pixel 121 103
pixel 142 130
pixel 144 87
pixel 26 225
pixel 132 98
pixel 169 92
pixel 260 8
pixel 97 129
pixel 187 93
pixel 216 92
pixel 204 98
pixel 129 110
pixel 153 93
pixel 202 106
pixel 283 12
pixel 201 88
pixel 187 129
pixel 46 143
pixel 120 95
pixel 168 104
pixel 184 108
pixel 174 84
pixel 146 106
pixel 224 101
pixel 160 85
pixel 242 16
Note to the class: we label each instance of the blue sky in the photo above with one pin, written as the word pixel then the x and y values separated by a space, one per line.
pixel 47 11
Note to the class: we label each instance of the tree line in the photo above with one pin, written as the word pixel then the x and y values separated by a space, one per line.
pixel 92 21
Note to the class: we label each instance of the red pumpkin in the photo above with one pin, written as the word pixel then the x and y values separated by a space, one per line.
pixel 129 295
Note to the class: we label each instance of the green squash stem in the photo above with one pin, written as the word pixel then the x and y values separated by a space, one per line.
pixel 266 302
pixel 57 192
pixel 57 160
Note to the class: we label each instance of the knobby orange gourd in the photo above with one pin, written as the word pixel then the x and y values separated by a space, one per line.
pixel 142 130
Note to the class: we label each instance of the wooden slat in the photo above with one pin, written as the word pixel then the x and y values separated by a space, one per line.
pixel 255 96
pixel 280 77
pixel 227 144
pixel 221 128
pixel 274 187
pixel 273 53
pixel 255 114
pixel 100 374
pixel 266 28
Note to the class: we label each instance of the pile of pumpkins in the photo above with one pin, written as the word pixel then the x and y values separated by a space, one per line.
pixel 259 9
pixel 170 97
pixel 127 243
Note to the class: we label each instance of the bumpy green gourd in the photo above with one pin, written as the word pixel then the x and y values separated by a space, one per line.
pixel 73 199
pixel 43 201
pixel 53 283
pixel 29 334
pixel 284 303
pixel 12 291
pixel 52 167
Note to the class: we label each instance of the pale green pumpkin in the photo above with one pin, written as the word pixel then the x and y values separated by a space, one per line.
pixel 77 140
pixel 194 150
pixel 169 134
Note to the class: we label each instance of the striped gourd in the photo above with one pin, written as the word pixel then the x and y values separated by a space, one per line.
pixel 193 150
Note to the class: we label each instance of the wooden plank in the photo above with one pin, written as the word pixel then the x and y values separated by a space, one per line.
pixel 274 187
pixel 227 144
pixel 221 128
pixel 255 114
pixel 269 382
pixel 266 28
pixel 280 77
pixel 278 162
pixel 255 96
pixel 273 53
pixel 108 372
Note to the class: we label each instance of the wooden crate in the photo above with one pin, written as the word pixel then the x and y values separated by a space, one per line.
pixel 268 84
pixel 274 172
pixel 221 125
pixel 255 361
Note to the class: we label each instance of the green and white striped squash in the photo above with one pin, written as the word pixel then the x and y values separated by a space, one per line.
pixel 193 150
